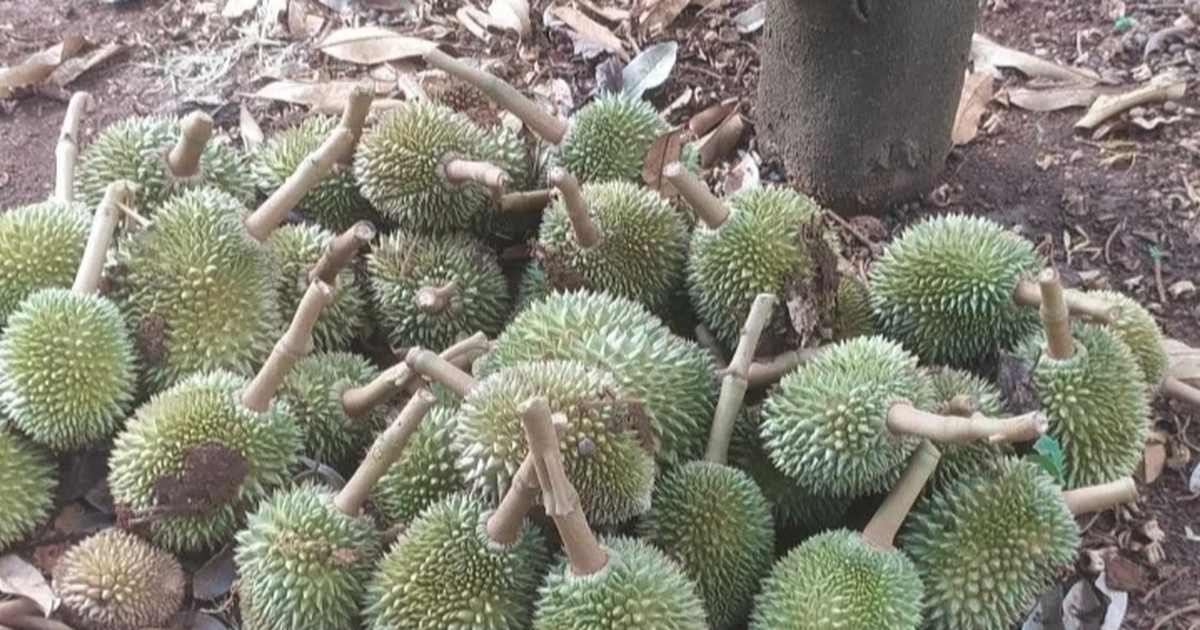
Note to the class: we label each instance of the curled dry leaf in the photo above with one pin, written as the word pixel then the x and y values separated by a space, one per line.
pixel 1154 457
pixel 655 15
pixel 589 30
pixel 990 56
pixel 22 579
pixel 327 98
pixel 511 15
pixel 650 69
pixel 39 66
pixel 369 45
pixel 972 104
pixel 711 116
pixel 251 132
pixel 722 140
pixel 665 149
pixel 1159 89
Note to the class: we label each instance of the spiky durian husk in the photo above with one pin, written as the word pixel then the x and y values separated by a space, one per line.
pixel 944 288
pixel 114 580
pixel 837 580
pixel 988 545
pixel 603 445
pixel 642 248
pixel 301 562
pixel 135 149
pixel 504 148
pixel 67 374
pixel 313 392
pixel 1097 404
pixel 297 249
pixel 825 426
pixel 405 262
pixel 41 246
pixel 672 377
pixel 335 202
pixel 852 315
pixel 426 471
pixel 716 522
pixel 444 572
pixel 399 168
pixel 201 410
pixel 961 460
pixel 758 249
pixel 1137 328
pixel 608 139
pixel 199 292
pixel 29 483
pixel 640 588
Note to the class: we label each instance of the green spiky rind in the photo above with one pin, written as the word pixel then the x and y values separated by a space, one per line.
pixel 836 580
pixel 67 373
pixel 945 287
pixel 961 460
pixel 690 157
pixel 135 149
pixel 28 473
pixel 643 246
pixel 614 481
pixel 640 588
pixel 301 562
pixel 1097 404
pixel 988 545
pixel 673 377
pixel 398 165
pixel 405 262
pixel 793 507
pixel 297 249
pixel 715 521
pixel 1137 328
pixel 335 202
pixel 757 250
pixel 425 473
pixel 444 572
pixel 825 426
pixel 313 391
pixel 608 139
pixel 114 580
pixel 41 246
pixel 202 409
pixel 853 316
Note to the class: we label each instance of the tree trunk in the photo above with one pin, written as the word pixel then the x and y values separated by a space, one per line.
pixel 858 97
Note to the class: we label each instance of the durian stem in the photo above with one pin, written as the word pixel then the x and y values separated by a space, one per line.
pixel 587 233
pixel 504 525
pixel 559 497
pixel 734 381
pixel 341 251
pixel 295 344
pixel 438 369
pixel 359 401
pixel 66 154
pixel 882 528
pixel 506 96
pixel 316 167
pixel 964 405
pixel 384 452
pixel 434 300
pixel 905 419
pixel 128 210
pixel 354 116
pixel 195 131
pixel 486 174
pixel 91 267
pixel 1100 497
pixel 1056 320
pixel 1178 390
pixel 706 205
pixel 527 201
pixel 763 373
pixel 1029 293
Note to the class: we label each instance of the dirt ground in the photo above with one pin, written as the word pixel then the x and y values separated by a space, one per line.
pixel 1121 210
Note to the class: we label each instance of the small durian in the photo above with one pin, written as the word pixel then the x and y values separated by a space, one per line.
pixel 1137 328
pixel 608 139
pixel 41 246
pixel 315 391
pixel 426 473
pixel 29 482
pixel 852 315
pixel 114 580
pixel 961 393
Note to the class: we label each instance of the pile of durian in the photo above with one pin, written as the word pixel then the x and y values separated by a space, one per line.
pixel 676 414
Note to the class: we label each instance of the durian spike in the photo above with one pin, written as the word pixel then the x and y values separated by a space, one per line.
pixel 881 530
pixel 434 300
pixel 195 131
pixel 104 222
pixel 66 153
pixel 763 373
pixel 964 405
pixel 316 167
pixel 547 127
pixel 587 233
pixel 526 201
pixel 341 251
pixel 488 175
pixel 905 419
pixel 707 207
pixel 504 524
pixel 1029 293
pixel 384 451
pixel 438 369
pixel 1100 497
pixel 359 401
pixel 354 116
pixel 734 379
pixel 1056 320
pixel 559 497
pixel 295 344
pixel 1181 391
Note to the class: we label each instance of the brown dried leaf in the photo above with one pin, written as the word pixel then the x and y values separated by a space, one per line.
pixel 589 29
pixel 251 132
pixel 22 579
pixel 327 98
pixel 665 149
pixel 972 104
pixel 989 56
pixel 656 15
pixel 72 68
pixel 1154 457
pixel 612 14
pixel 39 66
pixel 722 140
pixel 213 580
pixel 711 116
pixel 1057 97
pixel 369 45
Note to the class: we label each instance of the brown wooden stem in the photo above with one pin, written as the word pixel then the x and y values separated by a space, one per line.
pixel 905 419
pixel 357 402
pixel 486 174
pixel 587 233
pixel 435 300
pixel 1100 497
pixel 295 344
pixel 704 203
pixel 504 524
pixel 354 116
pixel 195 131
pixel 735 379
pixel 316 167
pixel 763 373
pixel 1056 319
pixel 881 530
pixel 66 154
pixel 104 222
pixel 438 369
pixel 1080 304
pixel 526 201
pixel 341 251
pixel 1178 390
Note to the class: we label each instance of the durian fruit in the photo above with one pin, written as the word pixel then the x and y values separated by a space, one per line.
pixel 961 393
pixel 843 579
pixel 429 290
pixel 988 545
pixel 162 156
pixel 425 474
pixel 67 373
pixel 845 422
pixel 114 580
pixel 29 483
pixel 1137 328
pixel 853 316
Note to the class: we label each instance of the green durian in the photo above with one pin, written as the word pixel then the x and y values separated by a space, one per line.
pixel 313 391
pixel 608 139
pixel 945 289
pixel 445 572
pixel 297 249
pixel 1137 328
pixel 195 452
pixel 29 478
pixel 504 148
pixel 961 460
pixel 426 471
pixel 852 315
pixel 41 246
pixel 301 562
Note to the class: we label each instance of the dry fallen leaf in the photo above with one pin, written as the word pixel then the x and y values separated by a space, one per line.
pixel 1057 97
pixel 20 578
pixel 475 21
pixel 1154 457
pixel 327 98
pixel 751 19
pixel 722 140
pixel 972 104
pixel 369 45
pixel 650 69
pixel 616 15
pixel 38 66
pixel 744 176
pixel 659 14
pixel 665 149
pixel 74 67
pixel 589 29
pixel 989 56
pixel 511 15
pixel 704 121
pixel 250 131
pixel 1184 360
pixel 1157 90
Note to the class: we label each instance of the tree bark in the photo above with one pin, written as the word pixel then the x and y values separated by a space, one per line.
pixel 858 97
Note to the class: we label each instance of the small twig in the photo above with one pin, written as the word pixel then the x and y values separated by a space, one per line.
pixel 318 165
pixel 1158 280
pixel 703 202
pixel 295 344
pixel 195 131
pixel 735 378
pixel 1109 241
pixel 587 233
pixel 104 222
pixel 341 251
pixel 67 152
pixel 128 211
pixel 1157 589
